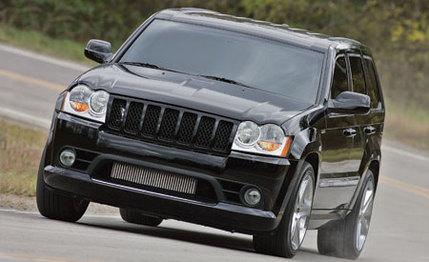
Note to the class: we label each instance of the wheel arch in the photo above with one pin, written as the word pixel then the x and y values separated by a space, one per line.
pixel 313 158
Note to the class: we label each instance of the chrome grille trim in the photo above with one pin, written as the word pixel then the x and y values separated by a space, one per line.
pixel 154 178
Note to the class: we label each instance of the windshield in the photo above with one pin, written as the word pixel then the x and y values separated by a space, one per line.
pixel 224 55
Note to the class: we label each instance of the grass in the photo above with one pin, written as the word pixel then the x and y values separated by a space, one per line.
pixel 20 152
pixel 41 43
pixel 408 124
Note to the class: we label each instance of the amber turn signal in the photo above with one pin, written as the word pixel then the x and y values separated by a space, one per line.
pixel 269 146
pixel 79 107
pixel 286 148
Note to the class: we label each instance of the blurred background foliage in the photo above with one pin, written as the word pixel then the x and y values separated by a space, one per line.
pixel 397 31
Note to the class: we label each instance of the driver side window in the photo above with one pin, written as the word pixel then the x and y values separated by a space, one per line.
pixel 340 80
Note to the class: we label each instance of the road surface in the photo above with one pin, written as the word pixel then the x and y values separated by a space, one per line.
pixel 29 84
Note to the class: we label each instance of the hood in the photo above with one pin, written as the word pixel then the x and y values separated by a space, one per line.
pixel 197 93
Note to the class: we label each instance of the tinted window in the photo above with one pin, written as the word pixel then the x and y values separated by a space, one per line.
pixel 358 77
pixel 372 84
pixel 259 63
pixel 340 82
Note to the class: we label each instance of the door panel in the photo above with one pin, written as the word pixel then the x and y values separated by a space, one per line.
pixel 334 190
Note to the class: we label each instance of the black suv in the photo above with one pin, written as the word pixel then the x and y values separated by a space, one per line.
pixel 228 122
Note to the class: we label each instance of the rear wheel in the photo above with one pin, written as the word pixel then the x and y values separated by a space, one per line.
pixel 289 235
pixel 137 217
pixel 346 238
pixel 55 206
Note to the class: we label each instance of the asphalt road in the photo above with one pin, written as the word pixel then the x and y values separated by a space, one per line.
pixel 29 84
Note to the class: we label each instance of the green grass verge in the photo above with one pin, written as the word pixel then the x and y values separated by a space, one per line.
pixel 41 43
pixel 408 124
pixel 20 152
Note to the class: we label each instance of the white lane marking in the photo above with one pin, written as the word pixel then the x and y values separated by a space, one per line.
pixel 7 210
pixel 44 58
pixel 26 118
pixel 31 80
pixel 405 153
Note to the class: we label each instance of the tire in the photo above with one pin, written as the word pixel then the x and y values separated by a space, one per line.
pixel 340 238
pixel 137 217
pixel 279 242
pixel 55 206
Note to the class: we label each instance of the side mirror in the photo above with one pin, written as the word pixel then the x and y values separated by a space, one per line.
pixel 98 50
pixel 350 103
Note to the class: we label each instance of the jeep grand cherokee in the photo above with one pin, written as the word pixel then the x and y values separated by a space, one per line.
pixel 223 121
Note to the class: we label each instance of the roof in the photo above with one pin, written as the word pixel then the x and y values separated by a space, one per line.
pixel 263 28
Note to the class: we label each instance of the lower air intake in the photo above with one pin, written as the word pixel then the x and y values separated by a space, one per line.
pixel 154 178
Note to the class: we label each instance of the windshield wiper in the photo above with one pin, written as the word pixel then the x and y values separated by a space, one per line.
pixel 143 64
pixel 226 80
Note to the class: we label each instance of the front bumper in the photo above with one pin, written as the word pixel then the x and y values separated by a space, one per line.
pixel 271 175
pixel 219 215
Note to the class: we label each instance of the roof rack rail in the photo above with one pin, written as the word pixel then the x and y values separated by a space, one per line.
pixel 344 39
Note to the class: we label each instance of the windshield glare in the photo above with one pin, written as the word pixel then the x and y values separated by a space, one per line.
pixel 255 62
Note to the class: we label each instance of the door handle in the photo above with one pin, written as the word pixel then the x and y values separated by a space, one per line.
pixel 369 130
pixel 349 132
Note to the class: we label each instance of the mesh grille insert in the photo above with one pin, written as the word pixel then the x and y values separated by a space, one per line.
pixel 186 128
pixel 168 124
pixel 117 114
pixel 204 133
pixel 151 120
pixel 135 113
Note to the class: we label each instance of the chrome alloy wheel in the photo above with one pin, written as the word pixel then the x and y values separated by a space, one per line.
pixel 364 216
pixel 302 211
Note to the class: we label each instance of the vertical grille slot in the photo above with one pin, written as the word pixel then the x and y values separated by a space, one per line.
pixel 204 132
pixel 168 124
pixel 223 133
pixel 150 123
pixel 135 113
pixel 117 114
pixel 186 128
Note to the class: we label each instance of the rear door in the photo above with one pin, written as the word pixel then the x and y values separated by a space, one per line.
pixel 358 86
pixel 368 140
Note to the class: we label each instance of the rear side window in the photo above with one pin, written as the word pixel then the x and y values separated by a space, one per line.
pixel 340 81
pixel 372 84
pixel 358 77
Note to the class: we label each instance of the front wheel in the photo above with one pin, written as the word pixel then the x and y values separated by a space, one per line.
pixel 56 206
pixel 288 237
pixel 346 238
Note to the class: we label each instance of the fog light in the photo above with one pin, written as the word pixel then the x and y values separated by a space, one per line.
pixel 67 157
pixel 252 196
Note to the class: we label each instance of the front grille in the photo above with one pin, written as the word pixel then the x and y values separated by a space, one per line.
pixel 155 178
pixel 170 125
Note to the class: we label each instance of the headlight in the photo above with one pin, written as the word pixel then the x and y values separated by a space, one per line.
pixel 248 133
pixel 84 102
pixel 98 102
pixel 79 98
pixel 268 139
